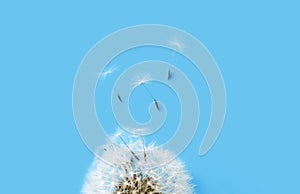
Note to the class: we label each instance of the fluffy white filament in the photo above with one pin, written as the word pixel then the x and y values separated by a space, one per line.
pixel 129 171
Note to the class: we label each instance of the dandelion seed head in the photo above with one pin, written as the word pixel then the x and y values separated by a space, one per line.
pixel 126 175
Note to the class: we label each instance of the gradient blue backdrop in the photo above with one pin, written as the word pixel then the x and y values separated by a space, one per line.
pixel 256 45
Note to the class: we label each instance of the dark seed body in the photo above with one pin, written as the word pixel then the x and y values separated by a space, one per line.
pixel 134 185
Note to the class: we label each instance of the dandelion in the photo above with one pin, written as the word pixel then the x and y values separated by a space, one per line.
pixel 128 175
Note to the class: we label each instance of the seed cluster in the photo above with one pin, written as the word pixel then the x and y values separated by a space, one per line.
pixel 136 170
pixel 137 185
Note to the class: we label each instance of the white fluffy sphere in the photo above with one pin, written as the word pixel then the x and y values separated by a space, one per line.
pixel 137 170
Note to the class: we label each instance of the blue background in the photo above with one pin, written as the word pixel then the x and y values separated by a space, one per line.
pixel 255 43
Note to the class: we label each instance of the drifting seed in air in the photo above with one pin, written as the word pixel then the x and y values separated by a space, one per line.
pixel 119 97
pixel 169 74
pixel 156 104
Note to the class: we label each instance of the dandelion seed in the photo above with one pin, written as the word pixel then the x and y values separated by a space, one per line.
pixel 175 43
pixel 169 73
pixel 105 74
pixel 156 105
pixel 142 82
pixel 119 97
pixel 155 101
pixel 110 71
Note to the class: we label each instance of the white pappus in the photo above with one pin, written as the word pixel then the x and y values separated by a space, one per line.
pixel 136 169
